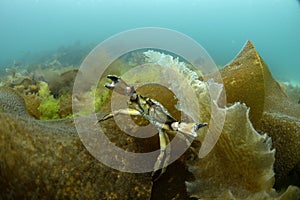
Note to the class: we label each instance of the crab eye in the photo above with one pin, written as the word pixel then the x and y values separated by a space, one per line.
pixel 133 97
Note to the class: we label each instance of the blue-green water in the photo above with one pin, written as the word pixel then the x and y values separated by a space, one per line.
pixel 221 27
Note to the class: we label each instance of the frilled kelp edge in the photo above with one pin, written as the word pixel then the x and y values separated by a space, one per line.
pixel 240 166
pixel 247 79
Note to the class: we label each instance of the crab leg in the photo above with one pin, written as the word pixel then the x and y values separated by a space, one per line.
pixel 165 153
pixel 126 111
pixel 174 130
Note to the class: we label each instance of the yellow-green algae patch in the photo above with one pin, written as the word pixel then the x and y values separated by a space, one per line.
pixel 49 106
pixel 46 160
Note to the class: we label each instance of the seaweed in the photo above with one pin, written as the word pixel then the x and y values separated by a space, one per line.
pixel 247 79
pixel 241 163
pixel 258 148
pixel 47 160
pixel 49 106
pixel 285 132
pixel 240 166
pixel 12 102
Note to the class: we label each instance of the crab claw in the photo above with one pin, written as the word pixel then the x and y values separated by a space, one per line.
pixel 187 128
pixel 119 86
pixel 198 126
pixel 115 81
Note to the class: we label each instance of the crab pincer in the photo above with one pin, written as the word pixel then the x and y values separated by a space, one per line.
pixel 119 86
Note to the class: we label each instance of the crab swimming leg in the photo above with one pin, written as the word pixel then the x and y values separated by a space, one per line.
pixel 126 111
pixel 164 155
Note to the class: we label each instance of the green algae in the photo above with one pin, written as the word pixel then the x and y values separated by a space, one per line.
pixel 49 106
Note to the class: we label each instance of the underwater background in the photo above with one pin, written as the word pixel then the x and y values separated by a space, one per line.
pixel 31 28
pixel 248 150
